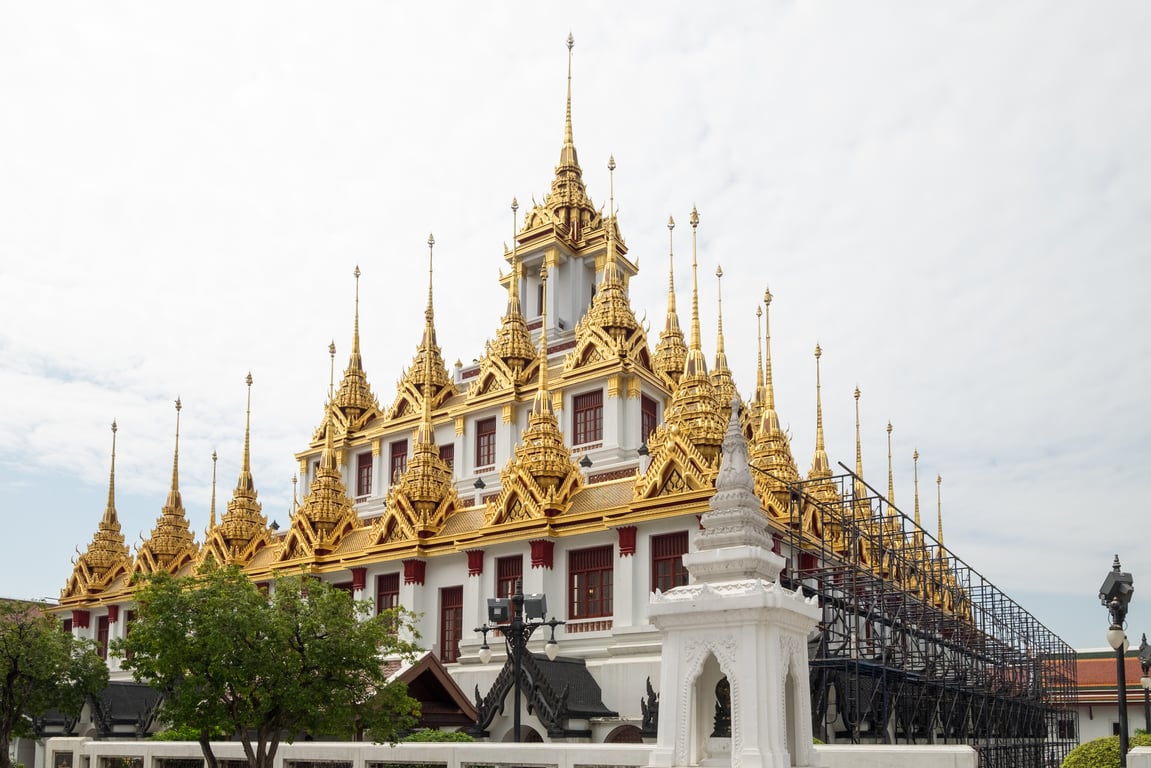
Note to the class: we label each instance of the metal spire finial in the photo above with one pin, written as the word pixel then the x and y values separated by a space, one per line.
pixel 890 471
pixel 212 508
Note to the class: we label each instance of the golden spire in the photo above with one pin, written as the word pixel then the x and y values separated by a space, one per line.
pixel 331 377
pixel 243 529
pixel 244 483
pixel 671 351
pixel 721 375
pixel 171 543
pixel 110 518
pixel 694 408
pixel 915 465
pixel 695 363
pixel 890 472
pixel 295 496
pixel 355 394
pixel 610 309
pixel 107 554
pixel 541 452
pixel 759 397
pixel 820 466
pixel 212 509
pixel 770 449
pixel 109 542
pixel 428 354
pixel 566 206
pixel 769 387
pixel 939 507
pixel 860 490
pixel 174 500
pixel 513 343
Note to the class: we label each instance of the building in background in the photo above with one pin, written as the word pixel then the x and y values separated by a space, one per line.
pixel 576 456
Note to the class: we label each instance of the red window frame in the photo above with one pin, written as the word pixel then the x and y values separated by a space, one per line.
pixel 448 455
pixel 667 551
pixel 648 413
pixel 486 442
pixel 399 459
pixel 587 417
pixel 387 591
pixel 590 580
pixel 451 623
pixel 364 474
pixel 509 570
pixel 102 636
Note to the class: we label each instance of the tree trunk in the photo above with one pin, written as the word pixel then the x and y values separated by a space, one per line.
pixel 5 745
pixel 205 747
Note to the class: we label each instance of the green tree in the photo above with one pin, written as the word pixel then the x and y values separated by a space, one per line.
pixel 301 657
pixel 42 667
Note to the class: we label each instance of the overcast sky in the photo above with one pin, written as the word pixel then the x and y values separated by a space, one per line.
pixel 952 199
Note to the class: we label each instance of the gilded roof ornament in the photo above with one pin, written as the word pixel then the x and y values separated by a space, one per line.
pixel 608 332
pixel 409 394
pixel 694 409
pixel 770 448
pixel 355 405
pixel 567 207
pixel 507 357
pixel 107 556
pixel 243 530
pixel 419 502
pixel 171 544
pixel 212 508
pixel 327 514
pixel 823 489
pixel 754 411
pixel 541 478
pixel 671 351
pixel 721 375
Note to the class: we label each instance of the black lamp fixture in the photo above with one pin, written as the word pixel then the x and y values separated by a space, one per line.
pixel 1145 681
pixel 517 618
pixel 479 484
pixel 642 450
pixel 585 462
pixel 1115 595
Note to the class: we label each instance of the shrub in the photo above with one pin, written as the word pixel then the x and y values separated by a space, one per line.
pixel 1102 753
pixel 430 734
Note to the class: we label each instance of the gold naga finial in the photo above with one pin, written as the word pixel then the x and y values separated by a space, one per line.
pixel 890 471
pixel 212 508
pixel 671 351
pixel 820 465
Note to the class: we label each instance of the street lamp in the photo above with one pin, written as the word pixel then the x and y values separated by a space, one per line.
pixel 1145 681
pixel 1115 594
pixel 517 618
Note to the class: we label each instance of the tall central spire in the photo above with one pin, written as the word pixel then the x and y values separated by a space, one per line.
pixel 174 500
pixel 245 483
pixel 568 153
pixel 695 364
pixel 110 510
pixel 171 544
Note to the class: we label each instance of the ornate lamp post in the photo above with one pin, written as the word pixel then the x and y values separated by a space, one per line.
pixel 1145 681
pixel 517 618
pixel 1115 594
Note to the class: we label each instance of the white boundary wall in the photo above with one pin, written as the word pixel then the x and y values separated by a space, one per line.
pixel 86 753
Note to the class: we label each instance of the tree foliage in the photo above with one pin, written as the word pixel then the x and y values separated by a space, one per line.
pixel 1102 753
pixel 265 665
pixel 42 668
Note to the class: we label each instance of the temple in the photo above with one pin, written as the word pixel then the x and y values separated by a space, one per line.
pixel 577 456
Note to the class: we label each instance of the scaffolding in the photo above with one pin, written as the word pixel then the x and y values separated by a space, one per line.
pixel 914 645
